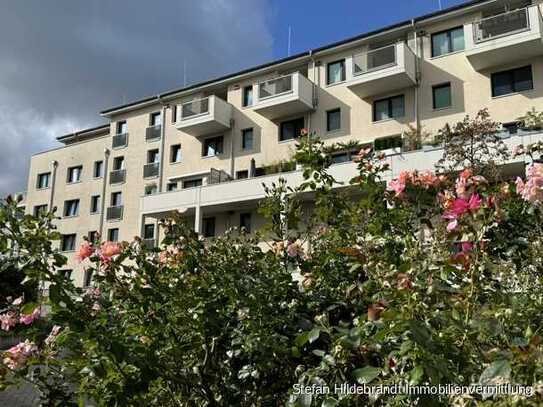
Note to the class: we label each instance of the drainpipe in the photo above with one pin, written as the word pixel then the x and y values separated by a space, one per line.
pixel 418 76
pixel 104 183
pixel 54 164
pixel 232 135
pixel 162 145
pixel 314 96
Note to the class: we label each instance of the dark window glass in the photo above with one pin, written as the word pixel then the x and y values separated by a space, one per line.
pixel 333 120
pixel 74 174
pixel 113 235
pixel 152 156
pixel 71 207
pixel 388 142
pixel 441 96
pixel 247 96
pixel 43 180
pixel 208 227
pixel 247 139
pixel 175 153
pixel 213 146
pixel 116 198
pixel 149 232
pixel 121 127
pixel 448 41
pixel 93 236
pixel 171 186
pixel 291 129
pixel 174 113
pixel 118 163
pixel 389 108
pixel 98 169
pixel 242 174
pixel 191 183
pixel 335 72
pixel 40 209
pixel 95 204
pixel 66 273
pixel 68 243
pixel 511 81
pixel 156 119
pixel 87 279
pixel 245 221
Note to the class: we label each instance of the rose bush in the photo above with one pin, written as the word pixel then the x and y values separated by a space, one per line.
pixel 420 279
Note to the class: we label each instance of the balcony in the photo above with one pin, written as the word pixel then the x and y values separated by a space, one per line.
pixel 153 133
pixel 151 170
pixel 284 96
pixel 230 194
pixel 205 116
pixel 383 70
pixel 114 212
pixel 119 140
pixel 117 177
pixel 149 243
pixel 504 38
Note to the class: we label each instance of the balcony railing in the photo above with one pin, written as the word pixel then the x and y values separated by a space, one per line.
pixel 153 132
pixel 117 176
pixel 119 140
pixel 114 212
pixel 374 60
pixel 150 170
pixel 274 87
pixel 501 25
pixel 149 243
pixel 194 108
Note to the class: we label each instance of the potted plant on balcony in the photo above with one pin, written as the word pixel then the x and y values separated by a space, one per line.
pixel 531 121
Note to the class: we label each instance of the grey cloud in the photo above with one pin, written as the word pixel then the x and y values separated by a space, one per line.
pixel 62 61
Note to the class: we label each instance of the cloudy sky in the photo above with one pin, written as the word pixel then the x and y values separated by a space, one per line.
pixel 62 61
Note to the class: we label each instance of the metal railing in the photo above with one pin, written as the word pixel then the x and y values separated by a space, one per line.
pixel 275 87
pixel 374 60
pixel 153 132
pixel 117 176
pixel 114 212
pixel 194 108
pixel 119 140
pixel 149 243
pixel 500 25
pixel 150 170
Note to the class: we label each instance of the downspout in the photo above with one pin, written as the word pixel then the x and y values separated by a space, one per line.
pixel 314 96
pixel 162 144
pixel 232 135
pixel 54 164
pixel 418 77
pixel 104 183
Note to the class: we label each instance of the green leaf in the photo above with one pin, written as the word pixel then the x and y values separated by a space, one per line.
pixel 366 374
pixel 313 335
pixel 415 375
pixel 301 339
pixel 498 369
pixel 329 402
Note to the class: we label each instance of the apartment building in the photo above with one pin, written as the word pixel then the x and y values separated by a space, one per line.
pixel 205 149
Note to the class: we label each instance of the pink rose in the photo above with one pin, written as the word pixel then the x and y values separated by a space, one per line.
pixel 453 224
pixel 85 251
pixel 27 319
pixel 17 355
pixel 108 250
pixel 295 249
pixel 8 320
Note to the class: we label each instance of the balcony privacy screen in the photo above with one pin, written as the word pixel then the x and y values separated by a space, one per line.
pixel 117 176
pixel 375 59
pixel 153 132
pixel 114 212
pixel 120 140
pixel 275 87
pixel 194 108
pixel 150 170
pixel 501 24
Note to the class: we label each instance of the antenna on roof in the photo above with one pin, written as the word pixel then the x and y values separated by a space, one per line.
pixel 289 36
pixel 440 6
pixel 184 73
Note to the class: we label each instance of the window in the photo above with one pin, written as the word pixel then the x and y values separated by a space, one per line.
pixel 245 221
pixel 93 236
pixel 174 113
pixel 441 96
pixel 40 210
pixel 43 180
pixel 71 207
pixel 113 235
pixel 171 186
pixel 242 174
pixel 386 143
pixel 247 139
pixel 152 156
pixel 511 81
pixel 95 204
pixel 448 41
pixel 247 96
pixel 175 153
pixel 213 146
pixel 66 273
pixel 118 163
pixel 122 128
pixel 388 108
pixel 191 183
pixel 208 227
pixel 98 169
pixel 335 72
pixel 116 198
pixel 87 278
pixel 155 119
pixel 333 120
pixel 149 231
pixel 151 189
pixel 67 243
pixel 74 174
pixel 291 129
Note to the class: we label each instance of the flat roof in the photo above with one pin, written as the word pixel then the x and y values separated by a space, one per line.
pixel 305 54
pixel 85 132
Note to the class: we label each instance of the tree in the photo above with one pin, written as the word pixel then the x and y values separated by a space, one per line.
pixel 473 144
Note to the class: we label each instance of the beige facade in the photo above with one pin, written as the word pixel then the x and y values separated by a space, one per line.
pixel 382 82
